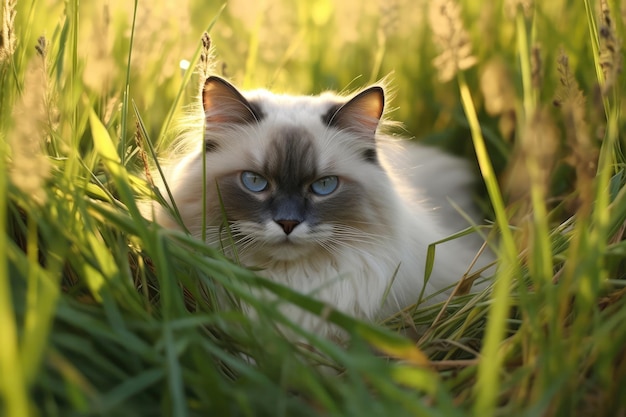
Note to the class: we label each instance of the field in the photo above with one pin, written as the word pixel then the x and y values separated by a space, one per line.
pixel 103 313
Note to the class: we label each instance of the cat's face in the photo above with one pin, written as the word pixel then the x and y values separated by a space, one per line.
pixel 292 175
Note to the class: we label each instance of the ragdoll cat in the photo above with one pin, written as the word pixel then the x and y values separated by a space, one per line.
pixel 317 200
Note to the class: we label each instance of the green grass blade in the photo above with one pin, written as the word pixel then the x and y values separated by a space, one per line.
pixel 486 387
pixel 14 389
pixel 123 144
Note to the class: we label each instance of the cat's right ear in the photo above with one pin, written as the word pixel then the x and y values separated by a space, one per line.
pixel 224 104
pixel 361 114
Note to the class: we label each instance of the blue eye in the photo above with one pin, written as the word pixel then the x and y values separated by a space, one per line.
pixel 325 186
pixel 253 181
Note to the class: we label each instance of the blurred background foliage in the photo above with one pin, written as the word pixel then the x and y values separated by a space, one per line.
pixel 306 47
pixel 78 338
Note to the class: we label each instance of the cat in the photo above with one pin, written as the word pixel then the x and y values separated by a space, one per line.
pixel 318 198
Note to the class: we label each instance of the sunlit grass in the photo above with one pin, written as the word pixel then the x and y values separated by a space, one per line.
pixel 103 313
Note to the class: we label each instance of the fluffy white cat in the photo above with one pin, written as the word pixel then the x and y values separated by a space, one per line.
pixel 318 199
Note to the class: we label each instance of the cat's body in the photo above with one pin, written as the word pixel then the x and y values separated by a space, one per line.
pixel 318 201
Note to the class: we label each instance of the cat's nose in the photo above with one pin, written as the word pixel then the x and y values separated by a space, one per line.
pixel 288 225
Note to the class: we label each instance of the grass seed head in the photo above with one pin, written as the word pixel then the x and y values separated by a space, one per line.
pixel 497 88
pixel 42 47
pixel 568 91
pixel 7 34
pixel 533 160
pixel 499 95
pixel 139 140
pixel 29 167
pixel 583 152
pixel 205 65
pixel 389 16
pixel 610 49
pixel 452 38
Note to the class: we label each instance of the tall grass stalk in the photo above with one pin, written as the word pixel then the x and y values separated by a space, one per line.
pixel 595 46
pixel 72 17
pixel 14 389
pixel 126 94
pixel 508 268
pixel 529 95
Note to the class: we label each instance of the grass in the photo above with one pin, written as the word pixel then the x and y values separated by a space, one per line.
pixel 103 313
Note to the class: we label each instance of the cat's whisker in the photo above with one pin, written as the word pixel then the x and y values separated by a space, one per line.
pixel 358 235
pixel 367 224
pixel 333 245
pixel 246 240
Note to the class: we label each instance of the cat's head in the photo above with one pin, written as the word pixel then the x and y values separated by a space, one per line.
pixel 293 176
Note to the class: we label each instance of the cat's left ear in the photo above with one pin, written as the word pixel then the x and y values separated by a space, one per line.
pixel 361 113
pixel 224 104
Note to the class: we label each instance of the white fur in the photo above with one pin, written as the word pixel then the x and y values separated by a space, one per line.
pixel 350 269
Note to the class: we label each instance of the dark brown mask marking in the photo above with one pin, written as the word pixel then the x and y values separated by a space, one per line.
pixel 291 160
pixel 292 163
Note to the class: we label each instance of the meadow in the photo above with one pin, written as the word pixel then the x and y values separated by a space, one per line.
pixel 103 313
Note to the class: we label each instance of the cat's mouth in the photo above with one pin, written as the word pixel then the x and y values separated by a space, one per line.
pixel 272 242
pixel 287 248
pixel 288 241
pixel 288 251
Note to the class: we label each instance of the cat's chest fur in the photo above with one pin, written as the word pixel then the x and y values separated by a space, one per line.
pixel 319 201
